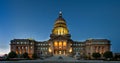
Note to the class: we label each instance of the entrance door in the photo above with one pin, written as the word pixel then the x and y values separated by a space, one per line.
pixel 60 47
pixel 60 52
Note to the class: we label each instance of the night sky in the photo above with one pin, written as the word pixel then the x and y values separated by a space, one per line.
pixel 85 19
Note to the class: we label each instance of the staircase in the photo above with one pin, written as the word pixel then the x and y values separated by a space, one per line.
pixel 56 58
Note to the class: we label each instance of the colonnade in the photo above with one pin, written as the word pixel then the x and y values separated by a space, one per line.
pixel 100 49
pixel 60 47
pixel 23 49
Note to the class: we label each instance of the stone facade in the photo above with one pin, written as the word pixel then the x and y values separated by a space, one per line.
pixel 60 43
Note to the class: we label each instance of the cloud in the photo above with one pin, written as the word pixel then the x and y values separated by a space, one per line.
pixel 4 51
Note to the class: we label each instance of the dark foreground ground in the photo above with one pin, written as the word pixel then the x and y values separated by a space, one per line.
pixel 60 61
pixel 64 59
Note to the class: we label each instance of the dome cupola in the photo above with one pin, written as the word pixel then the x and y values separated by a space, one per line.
pixel 60 27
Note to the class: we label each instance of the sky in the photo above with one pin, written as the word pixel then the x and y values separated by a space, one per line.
pixel 98 19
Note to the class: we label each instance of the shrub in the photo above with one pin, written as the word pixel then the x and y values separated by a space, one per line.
pixel 96 55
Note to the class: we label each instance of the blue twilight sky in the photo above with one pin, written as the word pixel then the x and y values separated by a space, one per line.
pixel 35 19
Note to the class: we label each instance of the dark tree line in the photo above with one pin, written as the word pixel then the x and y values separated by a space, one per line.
pixel 24 55
pixel 106 55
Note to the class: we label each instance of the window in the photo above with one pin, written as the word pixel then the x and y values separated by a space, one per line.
pixel 81 44
pixel 43 48
pixel 25 43
pixel 31 43
pixel 64 44
pixel 21 42
pixel 13 42
pixel 26 47
pixel 31 47
pixel 60 31
pixel 17 42
pixel 76 44
pixel 60 44
pixel 81 48
pixel 18 47
pixel 55 43
pixel 22 47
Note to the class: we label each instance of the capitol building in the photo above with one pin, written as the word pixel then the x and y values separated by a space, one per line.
pixel 60 43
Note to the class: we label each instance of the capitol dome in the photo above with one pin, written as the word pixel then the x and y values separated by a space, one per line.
pixel 60 27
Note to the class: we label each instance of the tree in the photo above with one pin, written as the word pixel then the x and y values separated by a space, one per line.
pixel 117 57
pixel 96 55
pixel 34 56
pixel 25 55
pixel 12 55
pixel 108 54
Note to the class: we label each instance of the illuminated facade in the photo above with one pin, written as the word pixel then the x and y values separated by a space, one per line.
pixel 60 38
pixel 60 43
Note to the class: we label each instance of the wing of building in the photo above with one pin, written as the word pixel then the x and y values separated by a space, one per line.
pixel 60 43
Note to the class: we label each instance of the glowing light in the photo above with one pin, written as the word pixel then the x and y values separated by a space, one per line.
pixel 60 29
pixel 70 50
pixel 55 44
pixel 64 44
pixel 60 12
pixel 50 50
pixel 60 44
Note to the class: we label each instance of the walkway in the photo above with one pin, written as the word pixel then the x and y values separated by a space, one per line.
pixel 56 58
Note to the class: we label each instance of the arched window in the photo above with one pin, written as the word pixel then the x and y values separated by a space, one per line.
pixel 64 44
pixel 60 45
pixel 55 44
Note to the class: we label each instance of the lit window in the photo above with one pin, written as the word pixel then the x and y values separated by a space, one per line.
pixel 60 43
pixel 60 31
pixel 26 47
pixel 31 47
pixel 70 50
pixel 25 43
pixel 22 47
pixel 64 44
pixel 55 44
pixel 31 43
pixel 21 42
pixel 17 42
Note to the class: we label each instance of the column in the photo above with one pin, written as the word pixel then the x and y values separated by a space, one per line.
pixel 20 50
